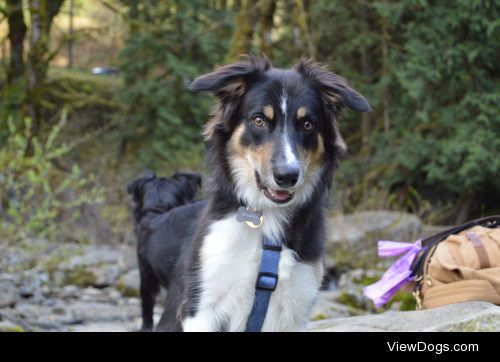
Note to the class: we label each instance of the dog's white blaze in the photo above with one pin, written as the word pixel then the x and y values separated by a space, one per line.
pixel 289 155
pixel 283 104
pixel 230 257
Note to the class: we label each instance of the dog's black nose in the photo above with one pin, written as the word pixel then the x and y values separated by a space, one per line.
pixel 286 175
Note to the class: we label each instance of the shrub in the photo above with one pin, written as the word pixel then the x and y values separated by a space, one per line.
pixel 37 198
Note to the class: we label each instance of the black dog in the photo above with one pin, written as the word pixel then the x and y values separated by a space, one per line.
pixel 158 230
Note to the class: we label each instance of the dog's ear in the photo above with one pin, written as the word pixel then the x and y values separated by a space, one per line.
pixel 230 80
pixel 336 94
pixel 191 178
pixel 135 186
pixel 333 87
pixel 229 83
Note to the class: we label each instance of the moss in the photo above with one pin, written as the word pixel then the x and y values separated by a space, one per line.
pixel 10 327
pixel 319 317
pixel 126 291
pixel 366 280
pixel 406 300
pixel 51 264
pixel 80 277
pixel 349 300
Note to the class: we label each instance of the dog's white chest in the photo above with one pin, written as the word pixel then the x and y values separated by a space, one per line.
pixel 230 257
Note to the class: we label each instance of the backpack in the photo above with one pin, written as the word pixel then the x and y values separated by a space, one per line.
pixel 457 265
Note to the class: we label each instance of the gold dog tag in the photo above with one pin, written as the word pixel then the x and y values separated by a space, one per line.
pixel 253 226
pixel 252 218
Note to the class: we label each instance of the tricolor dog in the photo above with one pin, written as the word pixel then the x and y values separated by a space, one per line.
pixel 272 147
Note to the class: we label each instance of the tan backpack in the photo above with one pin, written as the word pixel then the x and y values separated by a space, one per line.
pixel 459 264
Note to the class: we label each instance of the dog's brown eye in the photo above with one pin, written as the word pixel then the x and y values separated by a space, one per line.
pixel 308 126
pixel 258 122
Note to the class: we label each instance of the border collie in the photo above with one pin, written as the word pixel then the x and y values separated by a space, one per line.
pixel 272 147
pixel 157 241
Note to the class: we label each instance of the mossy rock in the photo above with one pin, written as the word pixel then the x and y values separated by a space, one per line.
pixel 80 277
pixel 407 301
pixel 350 300
pixel 7 326
pixel 127 291
pixel 128 284
pixel 319 317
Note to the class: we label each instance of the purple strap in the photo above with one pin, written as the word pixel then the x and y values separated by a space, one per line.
pixel 397 275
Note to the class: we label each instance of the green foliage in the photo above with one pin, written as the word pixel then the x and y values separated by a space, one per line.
pixel 447 75
pixel 36 198
pixel 429 70
pixel 176 42
pixel 431 74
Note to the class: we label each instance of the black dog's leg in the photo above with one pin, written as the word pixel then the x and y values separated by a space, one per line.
pixel 150 286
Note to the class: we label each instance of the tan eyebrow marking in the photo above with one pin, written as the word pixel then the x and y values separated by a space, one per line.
pixel 301 112
pixel 269 112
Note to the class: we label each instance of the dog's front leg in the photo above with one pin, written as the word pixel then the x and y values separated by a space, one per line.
pixel 203 321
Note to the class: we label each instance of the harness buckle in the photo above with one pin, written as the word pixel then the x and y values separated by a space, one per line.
pixel 266 281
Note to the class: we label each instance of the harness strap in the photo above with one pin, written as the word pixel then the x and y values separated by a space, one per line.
pixel 267 280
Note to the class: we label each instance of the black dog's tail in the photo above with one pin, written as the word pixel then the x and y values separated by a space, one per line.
pixel 158 195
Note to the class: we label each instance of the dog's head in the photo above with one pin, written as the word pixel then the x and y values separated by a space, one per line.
pixel 159 194
pixel 278 126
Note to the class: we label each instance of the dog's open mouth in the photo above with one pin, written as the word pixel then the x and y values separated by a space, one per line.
pixel 277 196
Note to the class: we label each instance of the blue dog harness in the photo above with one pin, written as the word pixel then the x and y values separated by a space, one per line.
pixel 267 280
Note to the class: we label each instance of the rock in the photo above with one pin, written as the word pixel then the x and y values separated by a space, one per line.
pixel 105 275
pixel 8 326
pixel 97 266
pixel 15 259
pixel 463 317
pixel 345 295
pixel 8 292
pixel 31 284
pixel 352 239
pixel 114 294
pixel 128 258
pixel 91 308
pixel 70 292
pixel 128 284
pixel 327 307
pixel 94 255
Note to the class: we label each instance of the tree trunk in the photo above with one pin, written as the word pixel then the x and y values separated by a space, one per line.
pixel 302 39
pixel 266 15
pixel 42 14
pixel 385 72
pixel 464 205
pixel 52 8
pixel 366 60
pixel 70 33
pixel 17 33
pixel 37 67
pixel 133 13
pixel 241 41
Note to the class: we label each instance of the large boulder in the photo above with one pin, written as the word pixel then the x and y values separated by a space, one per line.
pixel 351 240
pixel 463 317
pixel 96 265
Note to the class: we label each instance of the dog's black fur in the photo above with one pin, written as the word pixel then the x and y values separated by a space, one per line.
pixel 243 89
pixel 160 232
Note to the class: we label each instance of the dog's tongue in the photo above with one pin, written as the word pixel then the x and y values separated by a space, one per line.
pixel 279 195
